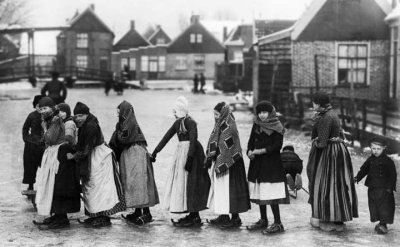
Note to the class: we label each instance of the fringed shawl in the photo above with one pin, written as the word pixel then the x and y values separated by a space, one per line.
pixel 224 144
pixel 271 124
pixel 129 131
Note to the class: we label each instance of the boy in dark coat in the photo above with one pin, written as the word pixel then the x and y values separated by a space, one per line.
pixel 55 89
pixel 381 182
pixel 293 166
pixel 32 134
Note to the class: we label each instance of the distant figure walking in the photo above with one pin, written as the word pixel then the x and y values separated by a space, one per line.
pixel 55 89
pixel 202 83
pixel 195 83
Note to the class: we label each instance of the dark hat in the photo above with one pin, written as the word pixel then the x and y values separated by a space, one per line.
pixel 65 108
pixel 81 108
pixel 378 140
pixel 46 101
pixel 36 100
pixel 321 98
pixel 219 106
pixel 264 106
pixel 288 148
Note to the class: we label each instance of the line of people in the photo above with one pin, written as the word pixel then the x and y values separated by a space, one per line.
pixel 120 175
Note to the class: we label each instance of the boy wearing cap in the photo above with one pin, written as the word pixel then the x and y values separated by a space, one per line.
pixel 32 134
pixel 381 182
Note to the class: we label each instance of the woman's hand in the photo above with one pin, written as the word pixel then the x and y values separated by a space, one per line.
pixel 251 155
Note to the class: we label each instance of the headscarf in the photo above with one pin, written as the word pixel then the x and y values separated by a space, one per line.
pixel 224 144
pixel 81 108
pixel 46 101
pixel 129 131
pixel 270 124
pixel 36 100
pixel 181 108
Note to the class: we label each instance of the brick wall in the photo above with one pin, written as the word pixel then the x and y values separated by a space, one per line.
pixel 303 67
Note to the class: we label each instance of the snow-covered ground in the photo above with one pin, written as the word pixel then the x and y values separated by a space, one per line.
pixel 154 113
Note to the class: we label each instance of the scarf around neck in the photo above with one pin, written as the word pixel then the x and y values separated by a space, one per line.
pixel 130 131
pixel 224 144
pixel 271 124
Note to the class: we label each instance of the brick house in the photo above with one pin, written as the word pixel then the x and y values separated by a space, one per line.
pixel 86 44
pixel 337 43
pixel 195 50
pixel 137 56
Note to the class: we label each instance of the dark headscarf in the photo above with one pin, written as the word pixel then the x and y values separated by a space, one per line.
pixel 81 108
pixel 129 131
pixel 36 100
pixel 272 122
pixel 46 101
pixel 321 98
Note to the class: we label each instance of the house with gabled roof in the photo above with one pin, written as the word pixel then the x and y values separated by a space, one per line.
pixel 132 39
pixel 351 50
pixel 159 37
pixel 195 50
pixel 9 47
pixel 335 45
pixel 86 44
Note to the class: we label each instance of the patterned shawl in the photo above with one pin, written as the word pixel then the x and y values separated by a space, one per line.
pixel 271 124
pixel 224 144
pixel 318 115
pixel 129 131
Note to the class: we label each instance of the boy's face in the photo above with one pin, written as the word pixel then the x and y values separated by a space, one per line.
pixel 45 109
pixel 377 149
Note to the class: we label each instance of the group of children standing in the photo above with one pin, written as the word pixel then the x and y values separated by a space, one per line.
pixel 120 175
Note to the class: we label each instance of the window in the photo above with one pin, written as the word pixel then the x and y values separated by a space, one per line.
pixel 132 64
pixel 199 62
pixel 238 56
pixel 352 63
pixel 160 41
pixel 181 63
pixel 124 63
pixel 81 61
pixel 161 63
pixel 153 65
pixel 144 66
pixel 192 38
pixel 199 38
pixel 82 40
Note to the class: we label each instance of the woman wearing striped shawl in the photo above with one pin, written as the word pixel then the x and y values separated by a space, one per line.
pixel 229 192
pixel 333 196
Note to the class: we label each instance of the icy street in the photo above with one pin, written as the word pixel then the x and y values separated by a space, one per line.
pixel 153 109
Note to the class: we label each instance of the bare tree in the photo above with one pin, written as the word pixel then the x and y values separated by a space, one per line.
pixel 13 12
pixel 183 21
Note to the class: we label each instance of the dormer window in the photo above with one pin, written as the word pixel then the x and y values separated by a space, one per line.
pixel 196 38
pixel 160 41
pixel 82 40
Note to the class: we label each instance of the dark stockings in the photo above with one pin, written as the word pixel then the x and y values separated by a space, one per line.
pixel 30 187
pixel 235 216
pixel 194 215
pixel 275 211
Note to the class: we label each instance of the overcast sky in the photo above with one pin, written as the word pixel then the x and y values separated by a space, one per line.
pixel 118 13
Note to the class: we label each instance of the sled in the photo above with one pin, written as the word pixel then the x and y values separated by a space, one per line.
pixel 31 194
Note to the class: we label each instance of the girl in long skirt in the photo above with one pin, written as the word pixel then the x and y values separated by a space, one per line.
pixel 136 169
pixel 58 177
pixel 229 193
pixel 333 196
pixel 188 183
pixel 266 174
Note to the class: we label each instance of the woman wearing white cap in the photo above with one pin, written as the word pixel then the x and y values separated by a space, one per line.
pixel 188 182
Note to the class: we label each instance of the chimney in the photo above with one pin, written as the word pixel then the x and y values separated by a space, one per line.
pixel 394 3
pixel 194 19
pixel 92 7
pixel 132 25
pixel 225 34
pixel 158 27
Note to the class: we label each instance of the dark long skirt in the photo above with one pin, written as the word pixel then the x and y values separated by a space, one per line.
pixel 66 195
pixel 381 205
pixel 32 159
pixel 198 183
pixel 334 197
pixel 239 197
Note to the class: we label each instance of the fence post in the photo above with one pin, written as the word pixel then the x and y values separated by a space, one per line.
pixel 384 118
pixel 364 114
pixel 316 72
